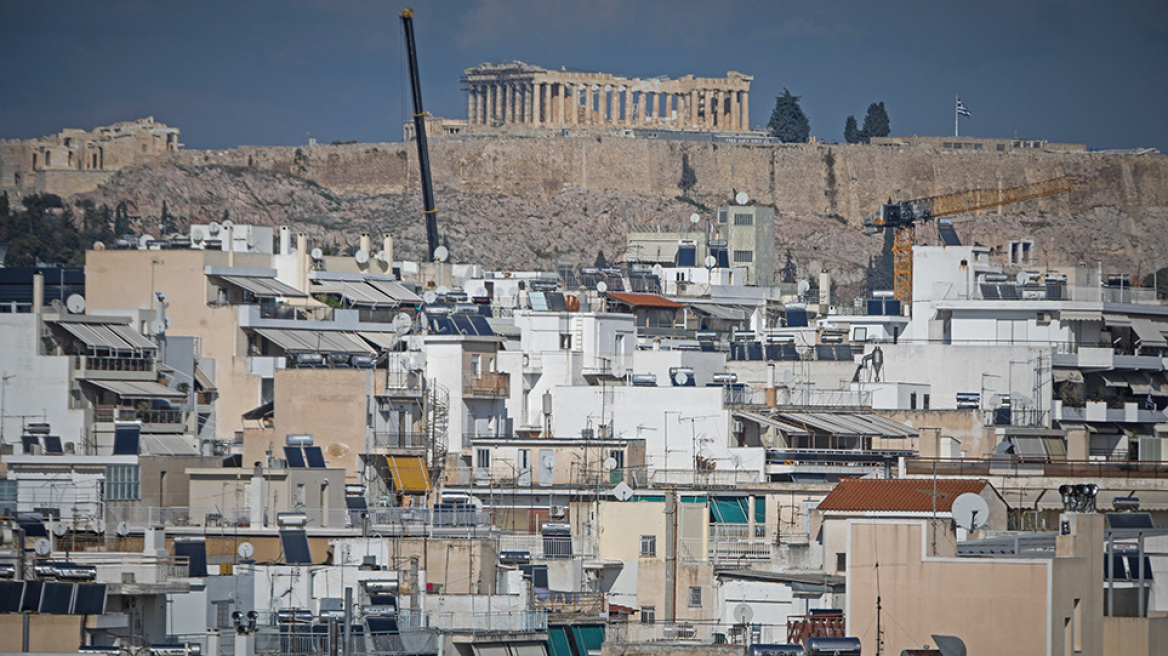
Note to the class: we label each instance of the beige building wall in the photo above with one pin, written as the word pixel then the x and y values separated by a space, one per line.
pixel 995 605
pixel 59 634
pixel 329 404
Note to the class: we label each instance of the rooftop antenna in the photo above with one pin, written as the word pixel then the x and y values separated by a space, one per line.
pixel 970 511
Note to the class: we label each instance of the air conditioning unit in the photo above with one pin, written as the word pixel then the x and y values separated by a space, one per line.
pixel 738 427
pixel 559 512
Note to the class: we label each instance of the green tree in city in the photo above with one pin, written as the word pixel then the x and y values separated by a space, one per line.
pixel 851 131
pixel 875 122
pixel 788 122
pixel 1159 280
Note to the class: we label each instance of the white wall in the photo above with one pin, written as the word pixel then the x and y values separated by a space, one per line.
pixel 949 369
pixel 36 387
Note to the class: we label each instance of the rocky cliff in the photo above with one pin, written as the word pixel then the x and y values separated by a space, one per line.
pixel 525 202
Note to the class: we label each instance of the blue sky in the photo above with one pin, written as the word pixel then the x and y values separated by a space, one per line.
pixel 272 72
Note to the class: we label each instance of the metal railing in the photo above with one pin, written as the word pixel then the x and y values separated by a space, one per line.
pixel 423 521
pixel 695 633
pixel 394 440
pixel 292 313
pixel 702 478
pixel 132 568
pixel 549 547
pixel 105 363
pixel 489 385
pixel 571 603
pixel 401 381
pixel 1071 469
pixel 508 621
pixel 106 414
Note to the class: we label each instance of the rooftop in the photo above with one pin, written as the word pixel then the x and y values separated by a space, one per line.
pixel 899 495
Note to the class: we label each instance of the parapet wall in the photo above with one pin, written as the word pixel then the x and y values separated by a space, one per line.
pixel 841 180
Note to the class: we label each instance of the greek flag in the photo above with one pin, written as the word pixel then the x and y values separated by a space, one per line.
pixel 961 108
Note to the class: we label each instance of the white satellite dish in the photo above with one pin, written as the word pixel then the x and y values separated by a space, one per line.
pixel 441 253
pixel 197 235
pixel 710 261
pixel 442 290
pixel 402 323
pixel 970 511
pixel 362 256
pixel 75 304
pixel 743 613
pixel 245 550
pixel 804 286
pixel 788 377
pixel 42 547
pixel 548 462
pixel 429 296
pixel 1022 278
pixel 619 370
pixel 601 287
pixel 59 529
pixel 99 526
pixel 681 378
pixel 622 491
pixel 695 218
pixel 609 464
pixel 213 228
pixel 317 253
pixel 123 529
pixel 382 256
pixel 658 270
pixel 741 198
pixel 144 241
pixel 100 246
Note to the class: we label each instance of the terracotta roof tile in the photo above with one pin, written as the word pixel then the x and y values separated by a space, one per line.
pixel 644 300
pixel 898 495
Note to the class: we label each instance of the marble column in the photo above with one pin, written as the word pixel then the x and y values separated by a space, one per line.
pixel 625 104
pixel 745 110
pixel 470 105
pixel 652 113
pixel 734 111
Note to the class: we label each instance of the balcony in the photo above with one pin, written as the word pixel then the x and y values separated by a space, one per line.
pixel 507 621
pixel 153 421
pixel 549 546
pixel 1069 469
pixel 448 521
pixel 394 441
pixel 489 385
pixel 400 383
pixel 93 367
pixel 693 633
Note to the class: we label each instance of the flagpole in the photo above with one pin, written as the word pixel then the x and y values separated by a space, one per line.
pixel 956 99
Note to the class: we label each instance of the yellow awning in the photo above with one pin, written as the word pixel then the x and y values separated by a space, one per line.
pixel 409 474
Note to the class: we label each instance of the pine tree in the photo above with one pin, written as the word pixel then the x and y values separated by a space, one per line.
pixel 851 132
pixel 788 122
pixel 875 122
pixel 689 179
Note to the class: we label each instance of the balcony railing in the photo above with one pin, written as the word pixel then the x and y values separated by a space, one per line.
pixel 394 440
pixel 116 413
pixel 1071 469
pixel 143 516
pixel 291 313
pixel 571 603
pixel 487 385
pixel 550 546
pixel 104 363
pixel 508 621
pixel 802 627
pixel 693 633
pixel 400 381
pixel 702 478
pixel 425 521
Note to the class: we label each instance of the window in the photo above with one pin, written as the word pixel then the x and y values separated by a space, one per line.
pixel 912 401
pixel 618 456
pixel 695 596
pixel 483 458
pixel 524 458
pixel 648 545
pixel 648 614
pixel 1077 626
pixel 743 256
pixel 860 334
pixel 223 614
pixel 476 365
pixel 743 218
pixel 925 402
pixel 722 214
pixel 841 562
pixel 121 483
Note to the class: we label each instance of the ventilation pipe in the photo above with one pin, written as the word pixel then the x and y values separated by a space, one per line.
pixel 302 261
pixel 38 292
pixel 285 240
pixel 387 246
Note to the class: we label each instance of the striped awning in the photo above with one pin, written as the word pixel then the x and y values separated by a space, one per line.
pixel 111 336
pixel 314 341
pixel 409 474
pixel 263 287
pixel 138 389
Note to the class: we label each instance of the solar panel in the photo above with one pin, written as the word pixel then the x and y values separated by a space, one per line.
pixel 90 599
pixel 314 456
pixel 295 457
pixel 1009 292
pixel 989 291
pixel 383 600
pixel 824 352
pixel 382 624
pixel 796 318
pixel 126 440
pixel 843 352
pixel 462 324
pixel 196 553
pixel 11 594
pixel 30 443
pixel 356 503
pixel 1130 520
pixel 892 307
pixel 687 256
pixel 32 596
pixel 56 598
pixel 556 302
pixel 53 444
pixel 34 530
pixel 482 326
pixel 295 545
pixel 948 236
pixel 754 350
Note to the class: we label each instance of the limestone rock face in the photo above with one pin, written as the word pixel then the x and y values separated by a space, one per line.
pixel 523 203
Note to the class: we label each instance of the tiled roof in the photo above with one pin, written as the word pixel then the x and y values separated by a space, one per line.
pixel 644 300
pixel 898 495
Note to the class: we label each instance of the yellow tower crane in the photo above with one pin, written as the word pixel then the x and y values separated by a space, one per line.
pixel 903 217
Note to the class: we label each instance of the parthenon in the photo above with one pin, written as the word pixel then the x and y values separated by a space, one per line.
pixel 515 94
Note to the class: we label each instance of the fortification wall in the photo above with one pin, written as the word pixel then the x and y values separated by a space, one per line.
pixel 840 180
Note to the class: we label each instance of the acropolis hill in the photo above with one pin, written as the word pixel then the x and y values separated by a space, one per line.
pixel 523 200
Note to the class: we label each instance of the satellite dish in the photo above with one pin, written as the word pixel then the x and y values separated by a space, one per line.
pixel 317 253
pixel 42 547
pixel 123 529
pixel 382 256
pixel 1022 278
pixel 429 297
pixel 741 198
pixel 658 270
pixel 710 261
pixel 227 224
pixel 75 304
pixel 144 241
pixel 362 256
pixel 970 511
pixel 442 290
pixel 804 286
pixel 60 530
pixel 245 550
pixel 100 246
pixel 482 477
pixel 681 378
pixel 402 323
pixel 622 491
pixel 213 228
pixel 695 218
pixel 609 464
pixel 548 462
pixel 743 613
pixel 99 526
pixel 197 235
pixel 441 253
pixel 949 645
pixel 788 377
pixel 601 287
pixel 619 370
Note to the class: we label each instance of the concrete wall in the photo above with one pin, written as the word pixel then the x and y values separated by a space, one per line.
pixel 36 388
pixel 46 633
pixel 335 417
pixel 1134 636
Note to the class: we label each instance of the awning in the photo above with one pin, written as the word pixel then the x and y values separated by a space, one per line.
pixel 355 293
pixel 729 511
pixel 1114 379
pixel 848 423
pixel 114 337
pixel 381 341
pixel 167 445
pixel 1117 320
pixel 264 287
pixel 396 291
pixel 134 389
pixel 719 312
pixel 203 381
pixel 782 427
pixel 263 411
pixel 1068 376
pixel 1150 332
pixel 644 300
pixel 314 341
pixel 1080 315
pixel 409 474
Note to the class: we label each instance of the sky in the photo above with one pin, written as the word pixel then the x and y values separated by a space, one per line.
pixel 268 72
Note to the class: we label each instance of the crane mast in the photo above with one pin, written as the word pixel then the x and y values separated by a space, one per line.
pixel 429 209
pixel 902 217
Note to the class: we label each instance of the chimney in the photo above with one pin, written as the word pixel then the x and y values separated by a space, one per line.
pixel 387 246
pixel 229 245
pixel 38 292
pixel 365 241
pixel 302 261
pixel 285 240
